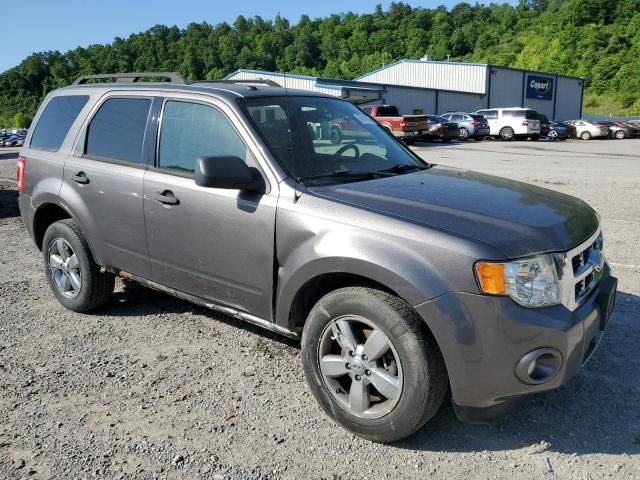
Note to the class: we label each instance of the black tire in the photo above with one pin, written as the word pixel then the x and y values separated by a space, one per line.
pixel 335 135
pixel 507 134
pixel 425 381
pixel 96 285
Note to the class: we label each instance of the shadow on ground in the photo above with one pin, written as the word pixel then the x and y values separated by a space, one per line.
pixel 596 412
pixel 8 203
pixel 8 155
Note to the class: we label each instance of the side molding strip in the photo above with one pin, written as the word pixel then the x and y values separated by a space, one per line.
pixel 232 312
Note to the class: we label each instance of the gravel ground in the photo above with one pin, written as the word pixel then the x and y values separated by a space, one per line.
pixel 153 387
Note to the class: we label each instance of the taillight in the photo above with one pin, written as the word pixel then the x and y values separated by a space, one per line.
pixel 439 126
pixel 403 124
pixel 472 122
pixel 22 165
pixel 525 123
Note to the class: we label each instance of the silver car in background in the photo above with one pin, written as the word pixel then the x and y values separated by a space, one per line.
pixel 587 130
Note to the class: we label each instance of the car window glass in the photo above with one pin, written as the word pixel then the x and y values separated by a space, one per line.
pixel 193 130
pixel 490 114
pixel 457 118
pixel 55 121
pixel 313 136
pixel 117 130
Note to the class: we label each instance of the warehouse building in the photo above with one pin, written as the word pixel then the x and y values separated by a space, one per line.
pixel 417 86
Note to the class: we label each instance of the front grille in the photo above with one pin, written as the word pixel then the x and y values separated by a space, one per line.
pixel 585 264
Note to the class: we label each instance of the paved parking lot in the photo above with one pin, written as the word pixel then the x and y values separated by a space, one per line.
pixel 153 387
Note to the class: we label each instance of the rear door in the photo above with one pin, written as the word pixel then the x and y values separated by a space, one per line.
pixel 492 119
pixel 217 244
pixel 103 181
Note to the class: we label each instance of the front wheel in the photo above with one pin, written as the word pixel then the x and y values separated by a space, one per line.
pixel 552 135
pixel 585 136
pixel 371 364
pixel 76 280
pixel 620 134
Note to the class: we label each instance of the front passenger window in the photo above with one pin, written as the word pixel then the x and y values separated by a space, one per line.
pixel 192 130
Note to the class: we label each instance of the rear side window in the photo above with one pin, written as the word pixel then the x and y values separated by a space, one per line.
pixel 512 113
pixel 117 130
pixel 489 114
pixel 192 130
pixel 388 112
pixel 55 121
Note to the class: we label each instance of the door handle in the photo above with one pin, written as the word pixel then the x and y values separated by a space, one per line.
pixel 167 197
pixel 81 178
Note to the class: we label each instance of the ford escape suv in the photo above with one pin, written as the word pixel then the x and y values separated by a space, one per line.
pixel 401 278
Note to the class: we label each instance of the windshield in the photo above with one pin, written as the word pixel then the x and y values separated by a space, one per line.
pixel 320 140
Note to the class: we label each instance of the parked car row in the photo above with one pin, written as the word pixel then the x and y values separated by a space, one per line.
pixel 11 140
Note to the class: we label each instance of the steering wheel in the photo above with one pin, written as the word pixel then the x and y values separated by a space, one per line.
pixel 346 147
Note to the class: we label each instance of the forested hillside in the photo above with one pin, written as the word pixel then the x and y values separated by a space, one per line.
pixel 595 39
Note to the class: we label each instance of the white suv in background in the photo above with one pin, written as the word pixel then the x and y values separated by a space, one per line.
pixel 587 130
pixel 510 123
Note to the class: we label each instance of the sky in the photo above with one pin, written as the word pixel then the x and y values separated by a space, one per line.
pixel 41 25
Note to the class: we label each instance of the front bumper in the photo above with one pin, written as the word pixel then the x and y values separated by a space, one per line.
pixel 482 339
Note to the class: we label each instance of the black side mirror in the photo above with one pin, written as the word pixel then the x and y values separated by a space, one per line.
pixel 227 172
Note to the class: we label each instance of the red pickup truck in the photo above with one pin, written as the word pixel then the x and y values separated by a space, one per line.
pixel 406 127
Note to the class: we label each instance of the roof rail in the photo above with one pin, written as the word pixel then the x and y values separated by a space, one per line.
pixel 258 81
pixel 132 77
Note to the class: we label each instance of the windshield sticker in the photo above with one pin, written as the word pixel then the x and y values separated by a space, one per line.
pixel 364 119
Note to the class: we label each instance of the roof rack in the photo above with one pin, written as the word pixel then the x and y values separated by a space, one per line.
pixel 173 77
pixel 258 81
pixel 132 77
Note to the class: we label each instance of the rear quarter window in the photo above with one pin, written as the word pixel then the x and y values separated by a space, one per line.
pixel 56 120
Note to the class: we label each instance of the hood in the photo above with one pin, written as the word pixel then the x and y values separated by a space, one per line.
pixel 516 218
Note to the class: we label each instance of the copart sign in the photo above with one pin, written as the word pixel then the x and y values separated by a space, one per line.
pixel 540 88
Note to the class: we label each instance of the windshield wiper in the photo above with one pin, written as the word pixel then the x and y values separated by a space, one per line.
pixel 403 167
pixel 348 173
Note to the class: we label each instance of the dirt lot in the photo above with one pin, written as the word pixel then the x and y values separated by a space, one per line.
pixel 153 387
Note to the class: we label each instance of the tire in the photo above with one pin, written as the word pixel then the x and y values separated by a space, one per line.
pixel 620 135
pixel 552 135
pixel 507 134
pixel 463 134
pixel 585 136
pixel 446 139
pixel 335 135
pixel 92 289
pixel 412 360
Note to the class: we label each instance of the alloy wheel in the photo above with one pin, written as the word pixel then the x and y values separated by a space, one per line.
pixel 360 367
pixel 64 268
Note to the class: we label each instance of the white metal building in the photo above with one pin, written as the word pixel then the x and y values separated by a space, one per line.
pixel 429 87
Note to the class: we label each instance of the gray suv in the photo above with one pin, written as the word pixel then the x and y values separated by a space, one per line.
pixel 403 279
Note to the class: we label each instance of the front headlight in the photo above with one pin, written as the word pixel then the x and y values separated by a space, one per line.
pixel 532 282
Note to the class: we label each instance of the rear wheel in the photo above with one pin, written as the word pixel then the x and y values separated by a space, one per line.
pixel 371 364
pixel 507 134
pixel 585 136
pixel 73 275
pixel 463 134
pixel 553 135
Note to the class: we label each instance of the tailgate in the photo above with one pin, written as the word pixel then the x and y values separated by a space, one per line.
pixel 415 122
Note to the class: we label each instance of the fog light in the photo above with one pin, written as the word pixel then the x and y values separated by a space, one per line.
pixel 539 366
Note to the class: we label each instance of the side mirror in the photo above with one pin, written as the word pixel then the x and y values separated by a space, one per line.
pixel 227 172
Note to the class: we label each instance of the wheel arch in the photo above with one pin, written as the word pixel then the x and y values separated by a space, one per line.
pixel 300 291
pixel 44 216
